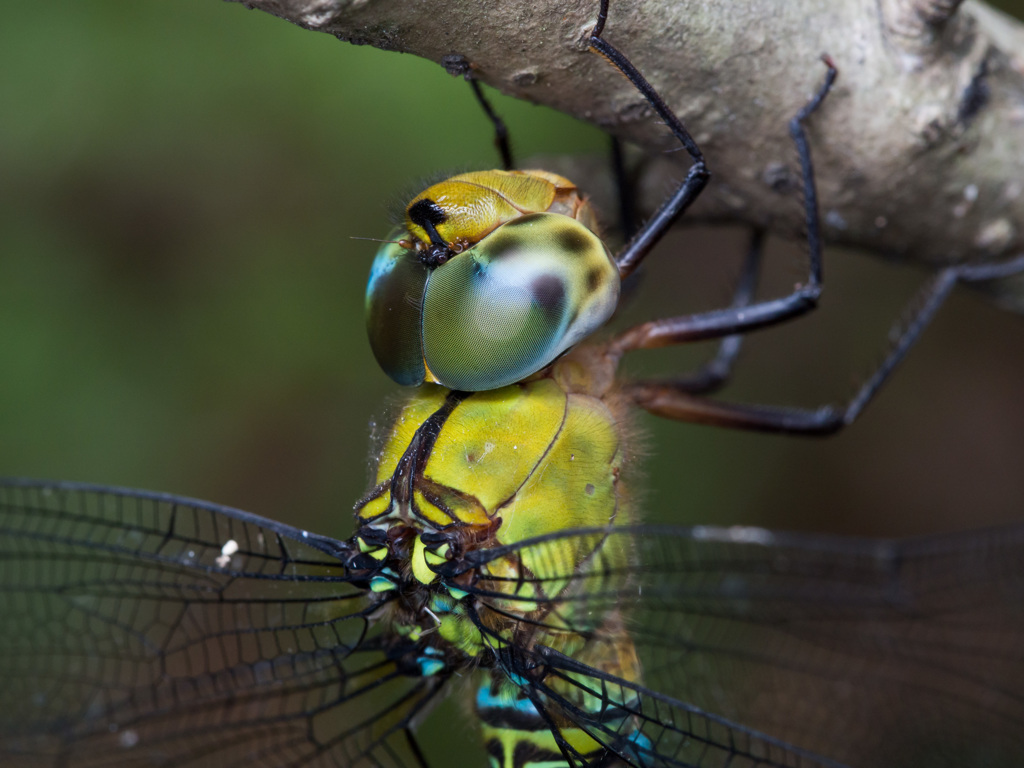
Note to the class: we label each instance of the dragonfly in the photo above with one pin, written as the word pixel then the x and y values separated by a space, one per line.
pixel 147 629
pixel 498 550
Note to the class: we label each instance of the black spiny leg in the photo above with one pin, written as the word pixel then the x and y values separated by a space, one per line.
pixel 624 190
pixel 676 399
pixel 667 400
pixel 726 322
pixel 629 258
pixel 716 372
pixel 457 64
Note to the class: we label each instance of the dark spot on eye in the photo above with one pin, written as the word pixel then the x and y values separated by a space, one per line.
pixel 549 293
pixel 589 490
pixel 593 279
pixel 426 212
pixel 571 240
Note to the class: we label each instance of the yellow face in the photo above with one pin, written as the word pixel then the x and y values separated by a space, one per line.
pixel 494 275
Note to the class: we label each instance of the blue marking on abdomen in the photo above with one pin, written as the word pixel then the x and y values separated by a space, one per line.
pixel 486 700
pixel 639 746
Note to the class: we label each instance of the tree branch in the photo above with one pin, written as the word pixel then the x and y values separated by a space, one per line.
pixel 919 151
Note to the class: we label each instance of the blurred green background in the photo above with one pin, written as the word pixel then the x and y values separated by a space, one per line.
pixel 181 302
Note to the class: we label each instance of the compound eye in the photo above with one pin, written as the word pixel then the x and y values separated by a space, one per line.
pixel 514 302
pixel 394 300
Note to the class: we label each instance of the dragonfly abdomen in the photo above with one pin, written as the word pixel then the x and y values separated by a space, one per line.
pixel 520 714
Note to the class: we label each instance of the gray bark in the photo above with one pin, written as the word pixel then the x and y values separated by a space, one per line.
pixel 919 151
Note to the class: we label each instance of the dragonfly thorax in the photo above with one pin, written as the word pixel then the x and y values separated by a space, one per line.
pixel 465 473
pixel 501 466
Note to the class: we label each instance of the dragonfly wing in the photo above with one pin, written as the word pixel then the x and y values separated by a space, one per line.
pixel 656 730
pixel 144 629
pixel 894 653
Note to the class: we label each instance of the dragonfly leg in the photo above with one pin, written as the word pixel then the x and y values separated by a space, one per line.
pixel 716 372
pixel 629 258
pixel 456 65
pixel 414 748
pixel 671 401
pixel 624 189
pixel 726 322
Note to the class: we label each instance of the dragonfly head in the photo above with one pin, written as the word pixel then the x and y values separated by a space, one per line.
pixel 493 275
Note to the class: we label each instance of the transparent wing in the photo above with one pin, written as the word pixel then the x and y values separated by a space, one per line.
pixel 141 629
pixel 653 730
pixel 869 653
